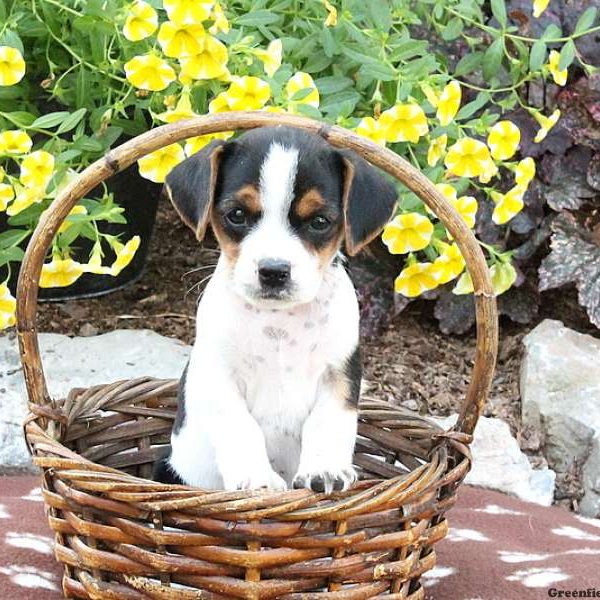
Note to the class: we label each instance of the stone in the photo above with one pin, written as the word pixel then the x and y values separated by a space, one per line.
pixel 589 505
pixel 499 464
pixel 566 442
pixel 78 362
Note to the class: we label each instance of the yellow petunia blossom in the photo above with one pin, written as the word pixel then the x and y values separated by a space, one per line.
pixel 503 140
pixel 448 103
pixel 179 41
pixel 539 6
pixel 404 123
pixel 8 306
pixel 415 279
pixel 37 169
pixel 271 57
pixel 503 275
pixel 436 150
pixel 371 129
pixel 448 265
pixel 221 24
pixel 332 16
pixel 546 124
pixel 299 82
pixel 247 93
pixel 149 72
pixel 467 158
pixel 464 285
pixel 525 172
pixel 188 12
pixel 15 141
pixel 560 77
pixel 432 96
pixel 466 207
pixel 158 164
pixel 508 205
pixel 24 199
pixel 195 144
pixel 210 63
pixel 12 66
pixel 7 193
pixel 490 169
pixel 125 254
pixel 141 22
pixel 219 104
pixel 60 273
pixel 407 233
pixel 76 210
pixel 183 110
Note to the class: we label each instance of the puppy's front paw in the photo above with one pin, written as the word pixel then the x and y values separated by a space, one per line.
pixel 327 480
pixel 254 479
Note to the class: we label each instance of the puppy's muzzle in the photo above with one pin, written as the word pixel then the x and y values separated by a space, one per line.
pixel 274 274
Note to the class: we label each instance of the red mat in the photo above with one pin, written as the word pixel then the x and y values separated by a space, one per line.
pixel 498 548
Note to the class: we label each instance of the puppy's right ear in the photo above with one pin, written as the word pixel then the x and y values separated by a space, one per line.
pixel 191 186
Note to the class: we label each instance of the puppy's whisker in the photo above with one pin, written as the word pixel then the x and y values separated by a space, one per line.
pixel 202 268
pixel 197 285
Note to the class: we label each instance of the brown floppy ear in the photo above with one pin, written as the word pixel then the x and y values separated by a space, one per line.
pixel 191 186
pixel 369 200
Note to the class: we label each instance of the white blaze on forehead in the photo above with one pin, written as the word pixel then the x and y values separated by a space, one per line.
pixel 277 178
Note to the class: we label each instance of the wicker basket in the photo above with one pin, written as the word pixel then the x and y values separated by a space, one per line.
pixel 121 535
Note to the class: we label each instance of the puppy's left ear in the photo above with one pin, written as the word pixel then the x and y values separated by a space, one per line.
pixel 369 200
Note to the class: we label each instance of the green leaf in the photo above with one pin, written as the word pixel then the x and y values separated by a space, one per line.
pixel 379 71
pixel 453 29
pixel 329 103
pixel 72 121
pixel 328 42
pixel 586 20
pixel 552 31
pixel 537 56
pixel 12 237
pixel 468 63
pixel 301 94
pixel 499 11
pixel 12 39
pixel 14 254
pixel 257 17
pixel 381 14
pixel 21 118
pixel 567 55
pixel 50 120
pixel 332 84
pixel 468 110
pixel 492 59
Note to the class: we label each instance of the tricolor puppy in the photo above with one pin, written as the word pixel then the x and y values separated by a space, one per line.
pixel 269 397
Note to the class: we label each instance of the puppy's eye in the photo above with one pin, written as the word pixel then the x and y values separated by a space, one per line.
pixel 237 217
pixel 319 223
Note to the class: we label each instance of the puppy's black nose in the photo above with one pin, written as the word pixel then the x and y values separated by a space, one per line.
pixel 273 272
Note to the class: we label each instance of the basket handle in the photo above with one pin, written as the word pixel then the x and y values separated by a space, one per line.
pixel 126 154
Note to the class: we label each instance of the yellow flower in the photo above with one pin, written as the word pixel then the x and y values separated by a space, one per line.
pixel 467 158
pixel 8 306
pixel 187 12
pixel 464 285
pixel 466 206
pixel 489 170
pixel 436 149
pixel 372 130
pixel 448 265
pixel 404 123
pixel 247 93
pixel 141 22
pixel 331 20
pixel 219 104
pixel 158 164
pixel 271 57
pixel 178 40
pixel 539 6
pixel 195 144
pixel 76 210
pixel 12 66
pixel 560 77
pixel 431 95
pixel 25 198
pixel 503 275
pixel 60 273
pixel 125 254
pixel 7 193
pixel 210 63
pixel 149 72
pixel 525 172
pixel 415 279
pixel 546 124
pixel 503 140
pixel 37 169
pixel 14 141
pixel 507 205
pixel 407 233
pixel 301 82
pixel 448 103
pixel 220 20
pixel 183 110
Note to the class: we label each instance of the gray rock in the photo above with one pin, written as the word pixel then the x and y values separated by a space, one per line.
pixel 590 503
pixel 78 362
pixel 499 464
pixel 566 442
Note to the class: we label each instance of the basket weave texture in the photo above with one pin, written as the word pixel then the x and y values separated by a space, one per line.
pixel 122 536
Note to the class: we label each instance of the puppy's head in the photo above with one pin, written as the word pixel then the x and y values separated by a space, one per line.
pixel 281 203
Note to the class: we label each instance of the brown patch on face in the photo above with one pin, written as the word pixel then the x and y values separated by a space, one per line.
pixel 326 252
pixel 229 247
pixel 310 203
pixel 249 197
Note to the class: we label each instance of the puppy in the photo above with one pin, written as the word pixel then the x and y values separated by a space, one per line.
pixel 269 396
